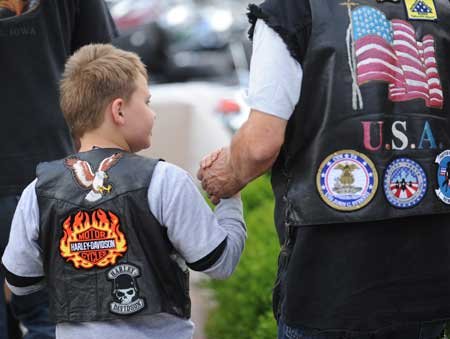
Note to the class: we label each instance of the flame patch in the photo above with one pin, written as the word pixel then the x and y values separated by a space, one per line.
pixel 92 239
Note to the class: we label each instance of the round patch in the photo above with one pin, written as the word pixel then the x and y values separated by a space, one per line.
pixel 347 180
pixel 443 176
pixel 405 183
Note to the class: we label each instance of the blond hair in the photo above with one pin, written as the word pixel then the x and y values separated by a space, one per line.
pixel 93 77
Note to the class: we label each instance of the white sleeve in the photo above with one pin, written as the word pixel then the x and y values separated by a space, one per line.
pixel 275 76
pixel 192 227
pixel 23 255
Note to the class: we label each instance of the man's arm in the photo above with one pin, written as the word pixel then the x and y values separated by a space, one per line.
pixel 274 90
pixel 253 151
pixel 256 146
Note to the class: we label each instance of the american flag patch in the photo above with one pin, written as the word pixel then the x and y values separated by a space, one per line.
pixel 387 50
pixel 442 171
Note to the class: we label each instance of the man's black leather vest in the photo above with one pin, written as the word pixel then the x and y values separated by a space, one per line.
pixel 369 139
pixel 105 254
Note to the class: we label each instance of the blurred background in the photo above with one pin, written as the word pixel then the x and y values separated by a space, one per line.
pixel 198 54
pixel 185 40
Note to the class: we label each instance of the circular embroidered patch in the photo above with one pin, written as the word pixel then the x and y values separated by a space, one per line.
pixel 443 176
pixel 405 183
pixel 347 180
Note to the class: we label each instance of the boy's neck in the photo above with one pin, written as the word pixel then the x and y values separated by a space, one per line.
pixel 90 141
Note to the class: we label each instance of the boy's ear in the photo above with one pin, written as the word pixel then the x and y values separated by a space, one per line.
pixel 116 111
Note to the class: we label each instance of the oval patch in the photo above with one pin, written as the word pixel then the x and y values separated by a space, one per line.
pixel 443 175
pixel 347 180
pixel 405 183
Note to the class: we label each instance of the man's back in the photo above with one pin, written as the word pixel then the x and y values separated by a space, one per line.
pixel 35 47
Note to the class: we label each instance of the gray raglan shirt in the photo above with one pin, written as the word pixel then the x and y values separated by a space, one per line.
pixel 193 229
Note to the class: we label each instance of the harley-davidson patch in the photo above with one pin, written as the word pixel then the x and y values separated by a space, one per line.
pixel 405 183
pixel 125 293
pixel 347 180
pixel 92 239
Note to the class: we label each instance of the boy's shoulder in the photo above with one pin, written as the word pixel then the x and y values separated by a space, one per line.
pixel 170 172
pixel 168 167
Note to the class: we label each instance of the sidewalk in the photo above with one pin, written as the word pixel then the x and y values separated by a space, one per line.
pixel 201 303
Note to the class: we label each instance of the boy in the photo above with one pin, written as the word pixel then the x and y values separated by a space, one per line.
pixel 111 231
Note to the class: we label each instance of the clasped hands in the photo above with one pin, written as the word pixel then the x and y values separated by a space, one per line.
pixel 219 178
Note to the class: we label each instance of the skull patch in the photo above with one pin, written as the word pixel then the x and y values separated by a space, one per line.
pixel 125 293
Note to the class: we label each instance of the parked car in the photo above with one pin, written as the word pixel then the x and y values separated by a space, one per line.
pixel 181 40
pixel 137 22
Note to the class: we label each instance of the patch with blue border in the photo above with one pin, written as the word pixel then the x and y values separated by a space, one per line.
pixel 421 10
pixel 347 180
pixel 443 176
pixel 405 183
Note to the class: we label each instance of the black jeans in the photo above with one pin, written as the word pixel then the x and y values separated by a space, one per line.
pixel 421 331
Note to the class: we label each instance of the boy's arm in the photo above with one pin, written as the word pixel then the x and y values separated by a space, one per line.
pixel 229 214
pixel 209 242
pixel 22 259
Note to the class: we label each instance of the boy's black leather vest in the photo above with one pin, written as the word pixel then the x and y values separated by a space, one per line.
pixel 369 139
pixel 105 254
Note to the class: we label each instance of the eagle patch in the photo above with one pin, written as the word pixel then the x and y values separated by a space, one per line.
pixel 87 179
pixel 347 180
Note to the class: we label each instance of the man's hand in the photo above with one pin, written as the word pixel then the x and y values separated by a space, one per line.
pixel 217 176
pixel 253 150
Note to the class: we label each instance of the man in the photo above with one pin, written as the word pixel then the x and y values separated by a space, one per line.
pixel 37 37
pixel 360 258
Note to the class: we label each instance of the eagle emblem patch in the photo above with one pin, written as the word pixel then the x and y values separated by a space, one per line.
pixel 347 180
pixel 92 239
pixel 125 293
pixel 87 179
pixel 405 183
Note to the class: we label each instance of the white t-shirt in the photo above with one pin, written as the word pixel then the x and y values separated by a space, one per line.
pixel 275 76
pixel 193 229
